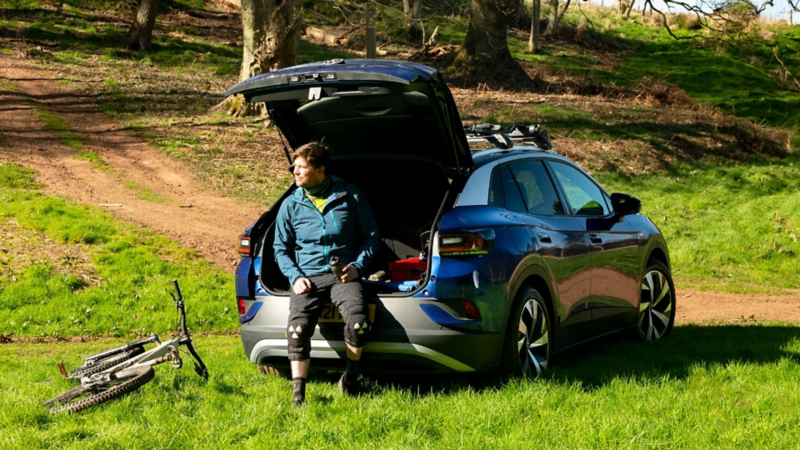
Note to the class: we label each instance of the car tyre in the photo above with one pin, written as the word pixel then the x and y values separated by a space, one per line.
pixel 656 303
pixel 527 349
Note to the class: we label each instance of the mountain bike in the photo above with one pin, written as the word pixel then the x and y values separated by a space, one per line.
pixel 119 371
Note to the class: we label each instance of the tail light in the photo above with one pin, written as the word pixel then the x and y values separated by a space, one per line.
pixel 240 304
pixel 466 243
pixel 471 310
pixel 244 245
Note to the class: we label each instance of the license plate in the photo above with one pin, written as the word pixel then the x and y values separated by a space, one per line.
pixel 330 313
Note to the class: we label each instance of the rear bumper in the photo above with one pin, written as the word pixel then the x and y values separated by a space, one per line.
pixel 404 340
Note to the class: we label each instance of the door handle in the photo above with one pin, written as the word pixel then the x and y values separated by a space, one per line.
pixel 543 237
pixel 595 239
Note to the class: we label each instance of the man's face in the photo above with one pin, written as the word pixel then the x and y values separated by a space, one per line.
pixel 307 176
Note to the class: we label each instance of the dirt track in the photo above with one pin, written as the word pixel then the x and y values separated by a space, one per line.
pixel 189 212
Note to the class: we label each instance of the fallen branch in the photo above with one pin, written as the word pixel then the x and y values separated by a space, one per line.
pixel 775 53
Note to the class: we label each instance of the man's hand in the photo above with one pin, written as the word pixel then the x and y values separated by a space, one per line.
pixel 302 285
pixel 349 273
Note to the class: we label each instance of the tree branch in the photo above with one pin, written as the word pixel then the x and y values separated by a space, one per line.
pixel 775 53
pixel 561 16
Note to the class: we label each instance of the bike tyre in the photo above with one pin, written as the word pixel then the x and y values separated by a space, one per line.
pixel 103 364
pixel 66 396
pixel 139 379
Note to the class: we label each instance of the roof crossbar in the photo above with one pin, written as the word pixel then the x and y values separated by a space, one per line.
pixel 504 137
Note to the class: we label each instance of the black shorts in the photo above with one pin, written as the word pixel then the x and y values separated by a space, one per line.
pixel 348 297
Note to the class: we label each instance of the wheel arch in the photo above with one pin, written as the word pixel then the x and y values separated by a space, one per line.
pixel 538 278
pixel 656 248
pixel 659 255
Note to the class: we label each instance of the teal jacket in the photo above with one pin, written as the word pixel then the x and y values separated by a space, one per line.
pixel 306 238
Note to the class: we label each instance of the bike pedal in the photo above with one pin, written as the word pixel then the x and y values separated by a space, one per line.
pixel 62 369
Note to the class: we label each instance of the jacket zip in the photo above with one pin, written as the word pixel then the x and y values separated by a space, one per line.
pixel 307 203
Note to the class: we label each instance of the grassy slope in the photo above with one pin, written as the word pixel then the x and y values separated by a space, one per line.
pixel 705 387
pixel 728 228
pixel 738 79
pixel 125 292
pixel 157 92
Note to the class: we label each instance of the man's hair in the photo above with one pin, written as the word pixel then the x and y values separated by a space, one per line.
pixel 315 153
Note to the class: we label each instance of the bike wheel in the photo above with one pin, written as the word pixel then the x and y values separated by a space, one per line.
pixel 71 404
pixel 103 364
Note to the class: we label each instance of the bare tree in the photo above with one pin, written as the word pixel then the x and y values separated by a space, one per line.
pixel 727 18
pixel 485 48
pixel 271 34
pixel 141 32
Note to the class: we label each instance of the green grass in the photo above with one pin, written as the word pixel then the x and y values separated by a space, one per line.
pixel 97 161
pixel 144 193
pixel 134 268
pixel 60 128
pixel 737 77
pixel 732 228
pixel 4 84
pixel 703 387
pixel 15 176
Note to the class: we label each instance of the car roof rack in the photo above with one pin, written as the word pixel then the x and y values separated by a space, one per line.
pixel 504 137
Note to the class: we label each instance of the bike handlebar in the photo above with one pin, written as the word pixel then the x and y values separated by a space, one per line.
pixel 177 290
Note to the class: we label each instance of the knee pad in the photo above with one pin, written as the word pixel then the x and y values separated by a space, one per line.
pixel 356 329
pixel 299 334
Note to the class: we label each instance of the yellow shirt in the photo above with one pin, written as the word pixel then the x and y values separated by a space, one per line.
pixel 319 202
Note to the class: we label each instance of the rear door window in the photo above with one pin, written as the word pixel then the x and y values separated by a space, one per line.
pixel 585 197
pixel 496 192
pixel 504 192
pixel 537 188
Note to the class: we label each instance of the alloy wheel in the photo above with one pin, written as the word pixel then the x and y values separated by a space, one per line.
pixel 655 306
pixel 533 338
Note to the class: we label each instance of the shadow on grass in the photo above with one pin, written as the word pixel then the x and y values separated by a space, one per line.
pixel 624 356
pixel 689 347
pixel 81 34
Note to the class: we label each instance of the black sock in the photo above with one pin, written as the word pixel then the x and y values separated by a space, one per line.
pixel 299 385
pixel 352 369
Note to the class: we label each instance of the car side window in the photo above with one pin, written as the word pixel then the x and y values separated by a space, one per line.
pixel 496 194
pixel 504 192
pixel 537 188
pixel 585 198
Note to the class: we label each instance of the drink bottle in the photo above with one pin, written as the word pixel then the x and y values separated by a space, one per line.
pixel 336 267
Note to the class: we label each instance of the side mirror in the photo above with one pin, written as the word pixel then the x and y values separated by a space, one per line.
pixel 625 205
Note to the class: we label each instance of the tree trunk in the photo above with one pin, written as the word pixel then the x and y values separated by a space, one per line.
pixel 271 35
pixel 371 38
pixel 533 43
pixel 485 49
pixel 141 32
pixel 553 28
pixel 625 7
pixel 629 9
pixel 790 17
pixel 412 19
pixel 564 11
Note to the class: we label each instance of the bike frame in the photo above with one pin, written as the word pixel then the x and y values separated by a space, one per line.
pixel 163 352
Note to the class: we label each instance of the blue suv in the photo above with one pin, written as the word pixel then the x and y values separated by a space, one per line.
pixel 491 261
